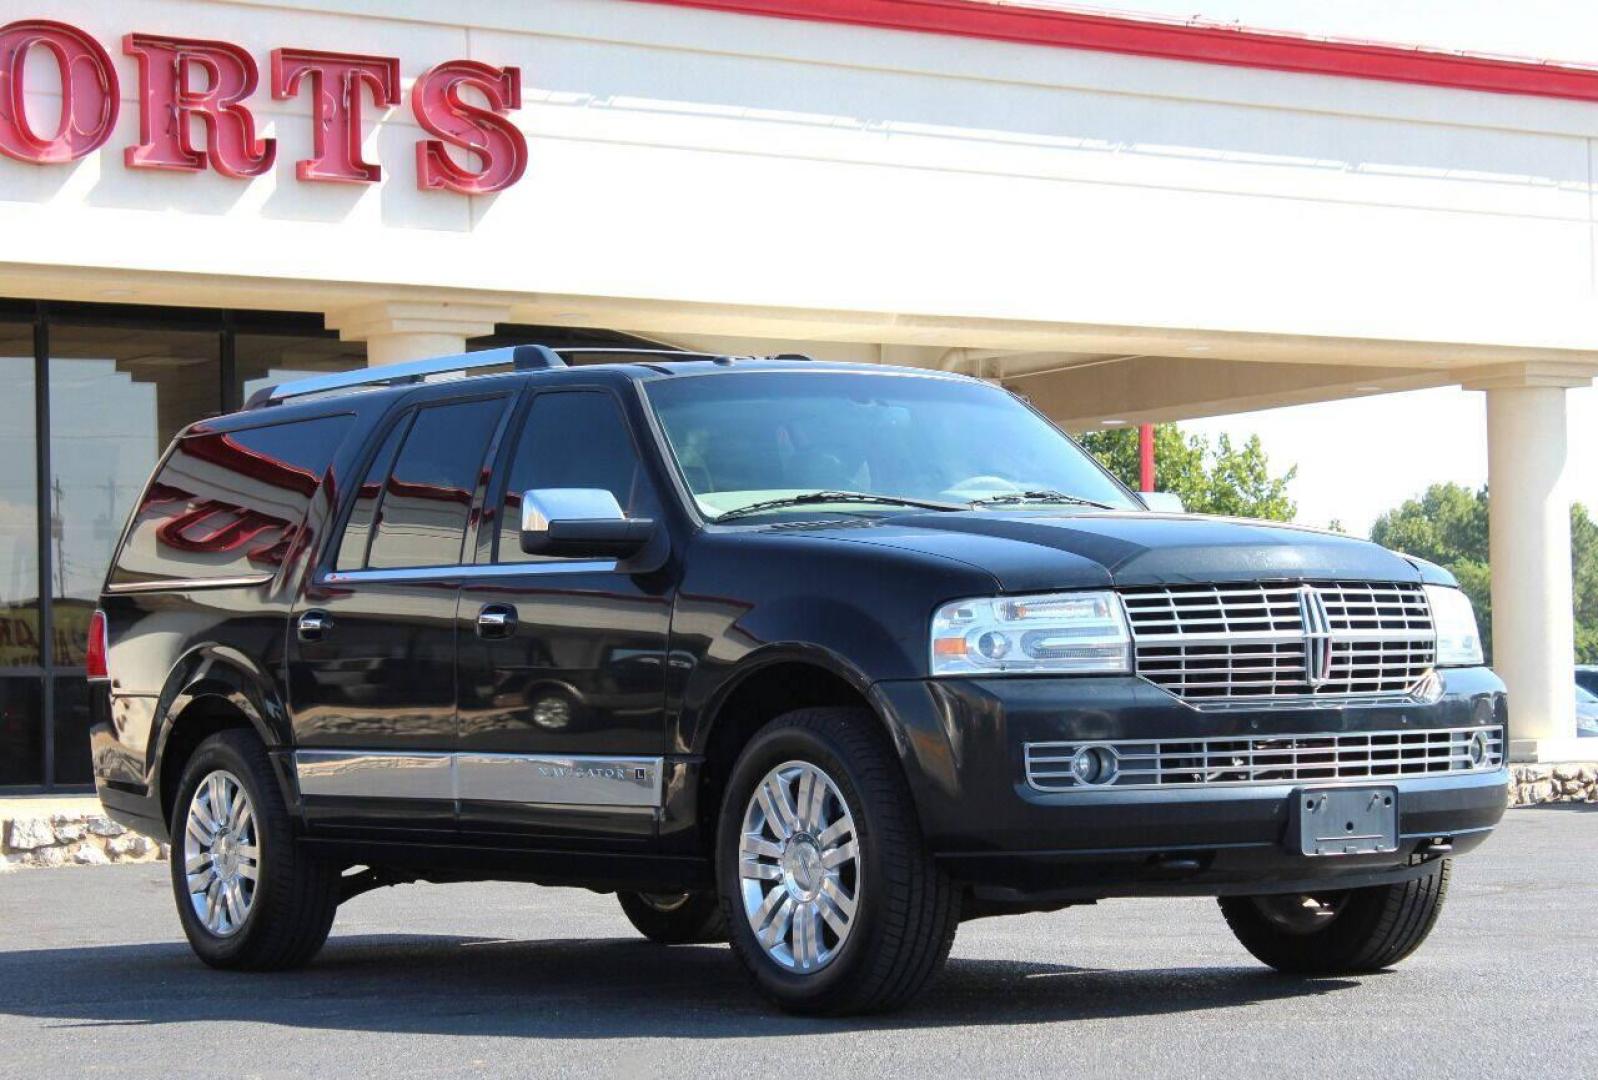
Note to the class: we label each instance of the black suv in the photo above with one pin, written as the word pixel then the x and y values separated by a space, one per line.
pixel 821 659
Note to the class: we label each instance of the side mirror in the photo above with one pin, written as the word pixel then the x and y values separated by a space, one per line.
pixel 1162 502
pixel 578 522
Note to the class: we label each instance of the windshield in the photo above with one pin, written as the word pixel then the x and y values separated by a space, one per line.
pixel 781 437
pixel 1585 697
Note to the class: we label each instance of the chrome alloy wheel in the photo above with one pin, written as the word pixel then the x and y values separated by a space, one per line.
pixel 221 856
pixel 799 867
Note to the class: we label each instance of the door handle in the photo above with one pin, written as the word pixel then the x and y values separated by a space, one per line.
pixel 313 625
pixel 496 621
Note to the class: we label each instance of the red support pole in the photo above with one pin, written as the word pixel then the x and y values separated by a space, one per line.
pixel 1145 448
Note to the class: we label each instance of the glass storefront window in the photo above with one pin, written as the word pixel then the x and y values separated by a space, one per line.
pixel 19 520
pixel 121 381
pixel 73 765
pixel 22 731
pixel 21 722
pixel 117 397
pixel 267 359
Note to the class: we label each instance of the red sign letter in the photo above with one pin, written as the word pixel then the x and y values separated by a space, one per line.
pixel 336 81
pixel 498 144
pixel 88 93
pixel 169 101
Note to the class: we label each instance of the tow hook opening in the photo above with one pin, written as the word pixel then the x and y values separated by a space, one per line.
pixel 1179 864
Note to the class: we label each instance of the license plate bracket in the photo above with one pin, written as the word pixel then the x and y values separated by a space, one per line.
pixel 1347 821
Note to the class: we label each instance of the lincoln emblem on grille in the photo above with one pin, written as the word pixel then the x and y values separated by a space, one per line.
pixel 1317 637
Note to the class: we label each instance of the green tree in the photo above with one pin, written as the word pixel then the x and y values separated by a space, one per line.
pixel 1448 525
pixel 1210 479
pixel 1584 569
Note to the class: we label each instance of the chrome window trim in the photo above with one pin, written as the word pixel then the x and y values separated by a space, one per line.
pixel 467 570
pixel 575 780
pixel 189 584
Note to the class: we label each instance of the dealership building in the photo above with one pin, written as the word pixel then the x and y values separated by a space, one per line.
pixel 1124 219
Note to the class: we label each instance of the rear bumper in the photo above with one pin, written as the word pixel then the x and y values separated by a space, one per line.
pixel 118 733
pixel 133 807
pixel 962 743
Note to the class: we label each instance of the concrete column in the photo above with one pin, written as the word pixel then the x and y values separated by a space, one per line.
pixel 1529 526
pixel 395 331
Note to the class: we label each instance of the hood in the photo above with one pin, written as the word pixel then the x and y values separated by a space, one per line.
pixel 1029 551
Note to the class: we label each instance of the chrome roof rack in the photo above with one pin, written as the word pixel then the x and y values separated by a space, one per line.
pixel 653 358
pixel 517 357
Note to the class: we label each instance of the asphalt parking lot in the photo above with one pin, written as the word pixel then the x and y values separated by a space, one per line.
pixel 506 979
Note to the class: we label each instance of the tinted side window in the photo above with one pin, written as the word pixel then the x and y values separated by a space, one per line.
pixel 358 530
pixel 228 504
pixel 421 520
pixel 573 439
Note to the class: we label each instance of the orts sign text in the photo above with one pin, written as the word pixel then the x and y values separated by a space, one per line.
pixel 182 80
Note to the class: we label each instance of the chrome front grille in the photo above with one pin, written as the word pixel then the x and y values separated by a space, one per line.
pixel 1282 641
pixel 1274 759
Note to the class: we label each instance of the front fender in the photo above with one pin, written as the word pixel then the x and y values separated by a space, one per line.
pixel 841 638
pixel 696 723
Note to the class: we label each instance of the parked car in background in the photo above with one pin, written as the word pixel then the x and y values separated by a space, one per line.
pixel 1587 677
pixel 821 659
pixel 1586 712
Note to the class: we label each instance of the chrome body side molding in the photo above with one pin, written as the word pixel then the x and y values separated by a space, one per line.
pixel 375 775
pixel 240 581
pixel 526 779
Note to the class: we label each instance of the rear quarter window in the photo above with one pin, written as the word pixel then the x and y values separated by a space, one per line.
pixel 228 504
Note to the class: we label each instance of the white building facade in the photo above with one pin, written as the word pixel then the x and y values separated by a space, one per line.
pixel 1127 220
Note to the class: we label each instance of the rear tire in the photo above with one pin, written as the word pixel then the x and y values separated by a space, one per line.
pixel 856 915
pixel 1364 930
pixel 692 918
pixel 276 919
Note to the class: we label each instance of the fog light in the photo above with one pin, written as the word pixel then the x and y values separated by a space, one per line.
pixel 1478 750
pixel 1094 765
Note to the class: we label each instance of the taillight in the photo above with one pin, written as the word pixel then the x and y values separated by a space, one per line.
pixel 95 657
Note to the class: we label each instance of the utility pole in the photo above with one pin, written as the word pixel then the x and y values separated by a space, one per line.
pixel 57 529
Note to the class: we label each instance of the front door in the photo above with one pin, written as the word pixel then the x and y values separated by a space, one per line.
pixel 372 649
pixel 562 662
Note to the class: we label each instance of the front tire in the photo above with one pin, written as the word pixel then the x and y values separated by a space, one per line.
pixel 690 918
pixel 248 895
pixel 1352 931
pixel 832 902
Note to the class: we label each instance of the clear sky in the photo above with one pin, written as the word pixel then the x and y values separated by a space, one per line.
pixel 1358 458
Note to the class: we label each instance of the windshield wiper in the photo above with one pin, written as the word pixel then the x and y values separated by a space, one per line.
pixel 811 497
pixel 1042 495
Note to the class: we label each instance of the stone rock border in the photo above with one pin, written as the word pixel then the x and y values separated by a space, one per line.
pixel 1534 785
pixel 73 839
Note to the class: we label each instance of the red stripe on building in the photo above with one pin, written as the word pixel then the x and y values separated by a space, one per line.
pixel 1196 42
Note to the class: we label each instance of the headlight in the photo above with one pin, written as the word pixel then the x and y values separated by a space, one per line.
pixel 1062 633
pixel 1458 640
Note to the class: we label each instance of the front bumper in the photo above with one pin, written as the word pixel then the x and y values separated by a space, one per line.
pixel 962 742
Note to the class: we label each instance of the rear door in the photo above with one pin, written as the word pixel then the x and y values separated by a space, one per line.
pixel 562 661
pixel 372 638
